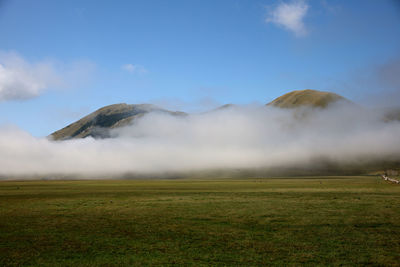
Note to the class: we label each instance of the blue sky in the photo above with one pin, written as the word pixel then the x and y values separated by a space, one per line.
pixel 60 60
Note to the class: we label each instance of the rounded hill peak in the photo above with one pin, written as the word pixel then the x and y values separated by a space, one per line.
pixel 307 97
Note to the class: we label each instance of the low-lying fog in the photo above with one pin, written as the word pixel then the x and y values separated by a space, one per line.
pixel 232 138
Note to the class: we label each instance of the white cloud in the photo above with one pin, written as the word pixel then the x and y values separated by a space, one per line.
pixel 20 79
pixel 137 69
pixel 290 16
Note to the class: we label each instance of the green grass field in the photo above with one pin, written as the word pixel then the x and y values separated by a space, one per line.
pixel 283 221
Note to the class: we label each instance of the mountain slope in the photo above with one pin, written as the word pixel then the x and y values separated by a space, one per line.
pixel 311 98
pixel 98 123
pixel 392 114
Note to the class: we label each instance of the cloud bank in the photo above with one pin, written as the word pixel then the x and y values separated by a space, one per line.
pixel 290 16
pixel 236 138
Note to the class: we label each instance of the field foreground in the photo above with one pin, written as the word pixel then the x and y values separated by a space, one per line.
pixel 282 221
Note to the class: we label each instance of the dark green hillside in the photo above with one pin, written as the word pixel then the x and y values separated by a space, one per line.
pixel 98 123
pixel 392 114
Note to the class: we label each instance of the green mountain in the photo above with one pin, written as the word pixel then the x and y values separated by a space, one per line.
pixel 310 98
pixel 98 123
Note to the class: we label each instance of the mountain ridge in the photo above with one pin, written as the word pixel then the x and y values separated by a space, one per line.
pixel 112 116
pixel 98 123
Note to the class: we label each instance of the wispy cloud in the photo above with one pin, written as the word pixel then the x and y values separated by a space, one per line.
pixel 290 15
pixel 21 79
pixel 134 68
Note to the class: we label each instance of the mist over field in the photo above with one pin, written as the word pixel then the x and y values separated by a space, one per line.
pixel 234 138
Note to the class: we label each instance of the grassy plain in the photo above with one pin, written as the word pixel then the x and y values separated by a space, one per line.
pixel 229 222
